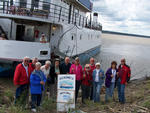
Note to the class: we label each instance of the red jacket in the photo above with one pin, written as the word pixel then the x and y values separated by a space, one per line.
pixel 92 67
pixel 124 73
pixel 88 78
pixel 20 77
pixel 32 67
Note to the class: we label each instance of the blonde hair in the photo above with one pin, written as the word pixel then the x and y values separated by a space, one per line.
pixel 38 64
pixel 48 62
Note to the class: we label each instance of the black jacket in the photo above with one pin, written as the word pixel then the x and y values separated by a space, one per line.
pixel 65 68
pixel 53 75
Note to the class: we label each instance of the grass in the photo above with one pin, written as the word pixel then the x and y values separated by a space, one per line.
pixel 48 104
pixel 136 94
pixel 2 109
pixel 17 109
pixel 8 93
pixel 146 104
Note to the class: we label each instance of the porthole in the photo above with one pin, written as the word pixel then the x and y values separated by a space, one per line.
pixel 80 37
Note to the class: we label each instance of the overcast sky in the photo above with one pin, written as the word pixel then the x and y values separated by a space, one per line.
pixel 128 16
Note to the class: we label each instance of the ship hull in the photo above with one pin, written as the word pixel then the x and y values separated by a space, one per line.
pixel 84 57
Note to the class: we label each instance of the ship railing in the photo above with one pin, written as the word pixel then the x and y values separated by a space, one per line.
pixel 46 10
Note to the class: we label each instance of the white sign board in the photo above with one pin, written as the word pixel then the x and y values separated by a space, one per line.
pixel 66 82
pixel 65 92
pixel 65 96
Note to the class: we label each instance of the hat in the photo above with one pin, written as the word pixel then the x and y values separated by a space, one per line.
pixel 43 34
pixel 98 64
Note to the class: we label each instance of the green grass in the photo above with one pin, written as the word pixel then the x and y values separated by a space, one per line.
pixel 146 104
pixel 2 109
pixel 48 104
pixel 8 93
pixel 17 109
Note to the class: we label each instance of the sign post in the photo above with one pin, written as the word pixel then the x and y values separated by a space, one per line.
pixel 65 92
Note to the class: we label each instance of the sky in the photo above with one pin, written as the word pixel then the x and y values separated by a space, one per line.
pixel 127 16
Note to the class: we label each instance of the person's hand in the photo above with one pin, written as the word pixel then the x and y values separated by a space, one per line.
pixel 112 75
pixel 84 75
pixel 42 83
pixel 117 74
pixel 100 74
pixel 72 69
pixel 17 86
pixel 57 73
pixel 126 83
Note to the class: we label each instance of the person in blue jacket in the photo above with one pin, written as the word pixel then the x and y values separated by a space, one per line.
pixel 98 80
pixel 37 82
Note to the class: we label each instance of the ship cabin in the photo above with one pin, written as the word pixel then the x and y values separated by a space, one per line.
pixel 27 20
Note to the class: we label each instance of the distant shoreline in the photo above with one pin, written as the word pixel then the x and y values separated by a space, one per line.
pixel 125 34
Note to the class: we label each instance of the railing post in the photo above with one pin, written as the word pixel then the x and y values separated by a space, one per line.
pixel 86 22
pixel 73 16
pixel 7 7
pixel 79 20
pixel 69 17
pixel 75 19
pixel 60 14
pixel 54 11
pixel 3 6
pixel 83 22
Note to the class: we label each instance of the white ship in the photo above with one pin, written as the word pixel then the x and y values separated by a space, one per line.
pixel 70 26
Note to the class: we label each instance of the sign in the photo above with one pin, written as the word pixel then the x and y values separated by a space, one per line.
pixel 65 92
pixel 65 96
pixel 66 82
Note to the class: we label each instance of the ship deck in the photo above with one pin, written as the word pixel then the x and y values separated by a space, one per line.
pixel 50 13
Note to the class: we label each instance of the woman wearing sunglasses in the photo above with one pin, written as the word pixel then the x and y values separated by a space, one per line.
pixel 86 82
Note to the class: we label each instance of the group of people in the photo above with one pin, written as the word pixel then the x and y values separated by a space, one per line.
pixel 90 78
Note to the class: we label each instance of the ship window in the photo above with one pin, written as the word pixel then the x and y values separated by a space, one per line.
pixel 43 52
pixel 72 37
pixel 23 4
pixel 80 37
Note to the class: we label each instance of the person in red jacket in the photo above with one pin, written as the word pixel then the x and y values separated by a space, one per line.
pixel 86 82
pixel 32 64
pixel 124 74
pixel 92 68
pixel 21 81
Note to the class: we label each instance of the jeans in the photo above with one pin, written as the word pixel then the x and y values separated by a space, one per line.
pixel 36 100
pixel 78 84
pixel 121 91
pixel 96 91
pixel 22 93
pixel 85 92
pixel 91 93
pixel 109 91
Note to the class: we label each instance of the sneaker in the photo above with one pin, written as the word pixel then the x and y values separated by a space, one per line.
pixel 33 110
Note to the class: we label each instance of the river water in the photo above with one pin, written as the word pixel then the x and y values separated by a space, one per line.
pixel 135 50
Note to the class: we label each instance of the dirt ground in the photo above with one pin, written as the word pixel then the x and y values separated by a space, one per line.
pixel 137 100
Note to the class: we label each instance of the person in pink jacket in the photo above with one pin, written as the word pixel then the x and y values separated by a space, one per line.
pixel 76 69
